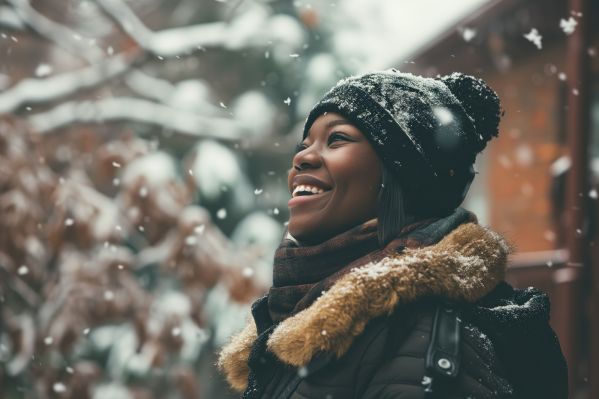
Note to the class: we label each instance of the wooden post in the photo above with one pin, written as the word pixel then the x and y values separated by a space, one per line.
pixel 577 180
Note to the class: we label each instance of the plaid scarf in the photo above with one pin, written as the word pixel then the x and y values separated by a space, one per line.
pixel 302 273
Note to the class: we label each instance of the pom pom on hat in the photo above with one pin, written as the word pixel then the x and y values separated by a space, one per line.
pixel 480 103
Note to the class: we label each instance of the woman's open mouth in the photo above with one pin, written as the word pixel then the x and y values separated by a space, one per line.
pixel 303 197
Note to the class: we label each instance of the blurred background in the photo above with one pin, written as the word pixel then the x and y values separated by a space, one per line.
pixel 144 149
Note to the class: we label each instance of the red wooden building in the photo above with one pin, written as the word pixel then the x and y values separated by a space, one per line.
pixel 536 181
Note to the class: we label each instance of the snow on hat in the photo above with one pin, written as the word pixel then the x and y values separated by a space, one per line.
pixel 427 131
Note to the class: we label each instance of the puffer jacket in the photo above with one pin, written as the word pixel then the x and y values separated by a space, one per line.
pixel 437 321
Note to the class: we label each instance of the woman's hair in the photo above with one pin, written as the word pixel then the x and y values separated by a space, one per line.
pixel 392 213
pixel 393 208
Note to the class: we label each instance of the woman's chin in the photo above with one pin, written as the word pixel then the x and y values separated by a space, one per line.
pixel 309 236
pixel 300 233
pixel 309 232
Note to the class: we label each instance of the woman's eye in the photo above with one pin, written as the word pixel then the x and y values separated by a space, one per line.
pixel 335 137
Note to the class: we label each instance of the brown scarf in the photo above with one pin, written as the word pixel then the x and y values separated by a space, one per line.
pixel 301 273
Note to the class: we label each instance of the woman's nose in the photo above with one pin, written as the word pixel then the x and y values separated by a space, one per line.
pixel 308 158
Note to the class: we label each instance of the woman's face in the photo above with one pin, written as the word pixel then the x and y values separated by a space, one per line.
pixel 348 176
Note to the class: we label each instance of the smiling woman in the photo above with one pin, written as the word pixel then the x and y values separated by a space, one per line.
pixel 336 158
pixel 383 286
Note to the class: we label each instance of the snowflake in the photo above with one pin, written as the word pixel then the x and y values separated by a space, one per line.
pixel 568 25
pixel 302 372
pixel 534 37
pixel 59 387
pixel 468 34
pixel 43 70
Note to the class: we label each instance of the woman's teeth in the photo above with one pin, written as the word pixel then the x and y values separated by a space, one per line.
pixel 311 189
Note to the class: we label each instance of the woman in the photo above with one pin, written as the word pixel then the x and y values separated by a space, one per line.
pixel 383 286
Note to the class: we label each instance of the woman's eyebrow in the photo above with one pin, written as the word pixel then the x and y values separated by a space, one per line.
pixel 330 124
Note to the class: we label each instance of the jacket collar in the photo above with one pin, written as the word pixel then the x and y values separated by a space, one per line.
pixel 464 266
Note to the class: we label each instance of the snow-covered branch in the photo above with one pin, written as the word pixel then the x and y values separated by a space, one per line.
pixel 177 41
pixel 65 38
pixel 149 86
pixel 44 89
pixel 57 33
pixel 134 109
pixel 10 18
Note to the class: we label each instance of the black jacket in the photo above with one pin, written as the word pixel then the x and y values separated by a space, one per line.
pixel 369 335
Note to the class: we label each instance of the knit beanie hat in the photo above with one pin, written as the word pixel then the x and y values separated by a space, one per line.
pixel 427 131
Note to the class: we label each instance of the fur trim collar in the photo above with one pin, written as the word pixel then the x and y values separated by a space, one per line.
pixel 464 266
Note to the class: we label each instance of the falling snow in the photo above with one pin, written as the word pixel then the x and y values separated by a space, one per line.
pixel 534 37
pixel 549 235
pixel 468 34
pixel 108 295
pixel 302 372
pixel 444 115
pixel 568 25
pixel 248 272
pixel 43 70
pixel 221 213
pixel 59 387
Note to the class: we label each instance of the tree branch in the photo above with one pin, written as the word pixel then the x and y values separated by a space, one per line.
pixel 57 33
pixel 149 86
pixel 33 90
pixel 10 18
pixel 177 41
pixel 134 109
